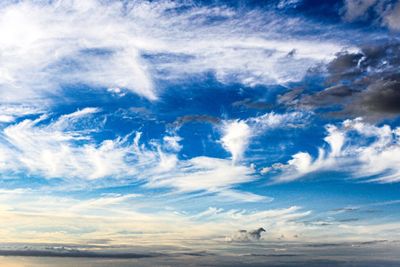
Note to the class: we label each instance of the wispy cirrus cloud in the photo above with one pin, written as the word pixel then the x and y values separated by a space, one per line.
pixel 64 147
pixel 361 148
pixel 46 46
pixel 61 148
pixel 127 218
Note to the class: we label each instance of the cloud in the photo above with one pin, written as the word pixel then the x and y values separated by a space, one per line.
pixel 63 148
pixel 9 113
pixel 119 219
pixel 246 236
pixel 392 19
pixel 356 147
pixel 180 121
pixel 212 175
pixel 354 9
pixel 235 138
pixel 273 120
pixel 236 134
pixel 46 46
pixel 382 12
pixel 364 83
pixel 123 219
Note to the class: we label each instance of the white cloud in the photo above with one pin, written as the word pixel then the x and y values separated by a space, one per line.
pixel 242 196
pixel 273 120
pixel 45 45
pixel 34 215
pixel 63 147
pixel 236 135
pixel 135 219
pixel 359 148
pixel 10 112
pixel 60 149
pixel 171 142
pixel 203 174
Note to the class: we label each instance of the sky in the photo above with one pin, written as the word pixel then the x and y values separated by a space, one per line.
pixel 194 123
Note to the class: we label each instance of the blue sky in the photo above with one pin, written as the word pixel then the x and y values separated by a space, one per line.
pixel 165 121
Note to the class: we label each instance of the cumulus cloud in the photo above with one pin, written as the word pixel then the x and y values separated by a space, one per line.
pixel 235 138
pixel 359 148
pixel 128 45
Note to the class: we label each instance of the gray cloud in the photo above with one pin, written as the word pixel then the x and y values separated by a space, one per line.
pixel 380 12
pixel 364 83
pixel 247 236
pixel 179 122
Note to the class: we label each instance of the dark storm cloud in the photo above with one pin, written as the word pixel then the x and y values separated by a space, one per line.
pixel 364 83
pixel 383 96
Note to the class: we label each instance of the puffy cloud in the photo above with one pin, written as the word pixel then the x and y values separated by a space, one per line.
pixel 360 148
pixel 113 44
pixel 246 236
pixel 236 135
